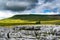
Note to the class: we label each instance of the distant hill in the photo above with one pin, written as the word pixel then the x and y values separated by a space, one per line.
pixel 31 20
pixel 33 17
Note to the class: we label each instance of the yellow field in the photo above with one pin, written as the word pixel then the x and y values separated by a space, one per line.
pixel 10 22
pixel 51 22
pixel 16 21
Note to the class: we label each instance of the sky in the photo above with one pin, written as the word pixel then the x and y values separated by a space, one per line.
pixel 9 8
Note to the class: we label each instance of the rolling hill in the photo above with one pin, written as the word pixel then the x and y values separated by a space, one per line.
pixel 31 19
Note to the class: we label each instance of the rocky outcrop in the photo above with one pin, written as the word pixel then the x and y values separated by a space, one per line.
pixel 35 32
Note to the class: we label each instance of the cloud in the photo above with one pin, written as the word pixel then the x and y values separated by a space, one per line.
pixel 44 7
pixel 52 6
pixel 6 14
pixel 18 5
pixel 49 13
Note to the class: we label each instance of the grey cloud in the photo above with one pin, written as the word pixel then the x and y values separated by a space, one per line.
pixel 17 5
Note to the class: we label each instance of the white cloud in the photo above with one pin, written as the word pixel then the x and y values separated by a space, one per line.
pixel 18 4
pixel 49 13
pixel 6 14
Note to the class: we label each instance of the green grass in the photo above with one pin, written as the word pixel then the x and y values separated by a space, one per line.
pixel 30 20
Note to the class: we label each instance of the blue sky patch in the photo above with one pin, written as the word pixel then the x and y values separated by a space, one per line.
pixel 46 10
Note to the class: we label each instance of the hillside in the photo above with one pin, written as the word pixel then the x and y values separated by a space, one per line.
pixel 36 17
pixel 31 19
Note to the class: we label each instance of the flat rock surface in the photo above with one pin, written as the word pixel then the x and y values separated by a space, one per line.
pixel 34 32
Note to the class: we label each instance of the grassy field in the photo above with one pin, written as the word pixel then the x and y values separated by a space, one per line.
pixel 31 20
